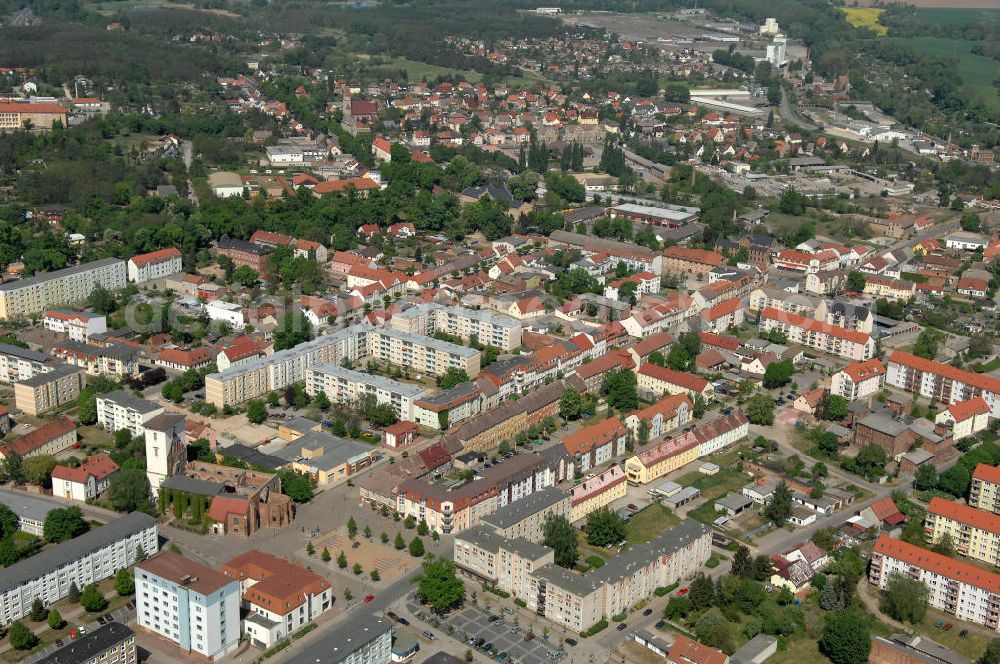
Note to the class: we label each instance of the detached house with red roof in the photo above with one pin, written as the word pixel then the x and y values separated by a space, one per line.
pixel 182 360
pixel 86 481
pixel 154 265
pixel 596 444
pixel 965 418
pixel 883 513
pixel 859 380
pixel 278 596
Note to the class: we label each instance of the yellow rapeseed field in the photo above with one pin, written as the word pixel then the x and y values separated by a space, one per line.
pixel 865 17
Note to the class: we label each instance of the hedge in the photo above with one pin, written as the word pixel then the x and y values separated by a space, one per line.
pixel 497 591
pixel 520 602
pixel 665 590
pixel 600 625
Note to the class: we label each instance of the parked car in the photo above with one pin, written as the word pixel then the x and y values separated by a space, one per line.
pixel 647 612
pixel 429 634
pixel 682 591
pixel 391 615
pixel 622 627
pixel 508 610
pixel 659 624
pixel 571 642
pixel 59 643
pixel 964 633
pixel 633 507
pixel 369 598
pixel 530 636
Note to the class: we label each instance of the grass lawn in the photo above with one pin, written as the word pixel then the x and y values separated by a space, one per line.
pixel 586 550
pixel 798 651
pixel 958 15
pixel 94 436
pixel 718 485
pixel 650 522
pixel 972 646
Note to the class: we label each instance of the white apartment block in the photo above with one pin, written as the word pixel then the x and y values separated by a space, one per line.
pixel 94 556
pixel 154 265
pixel 487 327
pixel 782 300
pixel 955 587
pixel 348 387
pixel 123 410
pixel 194 606
pixel 943 382
pixel 72 284
pixel 859 380
pixel 258 377
pixel 818 335
pixel 422 354
pixel 18 363
pixel 77 325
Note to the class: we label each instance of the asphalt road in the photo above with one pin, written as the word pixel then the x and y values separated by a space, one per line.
pixel 791 116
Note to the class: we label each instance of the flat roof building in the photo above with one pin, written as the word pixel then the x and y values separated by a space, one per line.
pixel 44 291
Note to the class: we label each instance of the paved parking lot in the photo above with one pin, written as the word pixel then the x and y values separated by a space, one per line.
pixel 474 622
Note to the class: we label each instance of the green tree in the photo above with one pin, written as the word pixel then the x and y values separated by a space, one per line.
pixel 605 527
pixel 38 469
pixel 352 528
pixel 74 593
pixel 417 547
pixel 38 612
pixel 742 563
pixel 856 281
pixel 925 477
pixel 760 410
pixel 834 407
pixel 560 536
pixel 357 569
pixel 927 342
pixel 124 583
pixel 780 507
pixel 55 619
pixel 13 468
pixel 570 404
pixel 702 592
pixel 453 377
pixel 256 411
pixel 63 524
pixel 321 401
pixel 375 576
pixel 438 585
pixel 129 490
pixel 422 528
pixel 245 275
pixel 955 480
pixel 905 599
pixel 21 638
pixel 325 556
pixel 944 545
pixel 399 543
pixel 778 373
pixel 992 654
pixel 620 387
pixel 342 560
pixel 92 600
pixel 845 638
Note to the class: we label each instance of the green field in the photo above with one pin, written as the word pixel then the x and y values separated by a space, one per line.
pixel 977 72
pixel 958 15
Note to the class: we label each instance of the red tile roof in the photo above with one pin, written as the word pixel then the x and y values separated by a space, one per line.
pixel 686 651
pixel 679 378
pixel 158 256
pixel 31 441
pixel 982 381
pixel 963 410
pixel 185 358
pixel 886 510
pixel 223 506
pixel 938 564
pixel 100 466
pixel 595 435
pixel 814 325
pixel 986 473
pixel 964 514
pixel 280 585
pixel 861 371
pixel 331 186
pixel 184 571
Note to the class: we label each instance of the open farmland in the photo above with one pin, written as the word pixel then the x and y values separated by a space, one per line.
pixel 865 17
pixel 958 15
pixel 978 72
pixel 944 4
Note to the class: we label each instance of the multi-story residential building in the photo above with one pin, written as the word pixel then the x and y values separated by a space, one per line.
pixel 154 265
pixel 503 422
pixel 659 459
pixel 448 408
pixel 578 601
pixel 123 410
pixel 984 492
pixel 526 517
pixel 593 445
pixel 258 377
pixel 975 533
pixel 242 253
pixel 116 359
pixel 818 335
pixel 782 300
pixel 965 418
pixel 692 261
pixel 46 391
pixel 113 643
pixel 52 289
pixel 955 587
pixel 348 387
pixel 481 554
pixel 457 509
pixel 425 355
pixel 859 380
pixel 654 382
pixel 488 328
pixel 883 287
pixel 189 604
pixel 721 317
pixel 845 314
pixel 50 438
pixel 943 382
pixel 86 481
pixel 77 325
pixel 18 363
pixel 94 556
pixel 360 639
pixel 280 597
pixel 666 415
pixel 598 491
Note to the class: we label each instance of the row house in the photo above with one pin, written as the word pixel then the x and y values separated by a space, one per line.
pixel 654 381
pixel 818 335
pixel 77 325
pixel 659 459
pixel 594 445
